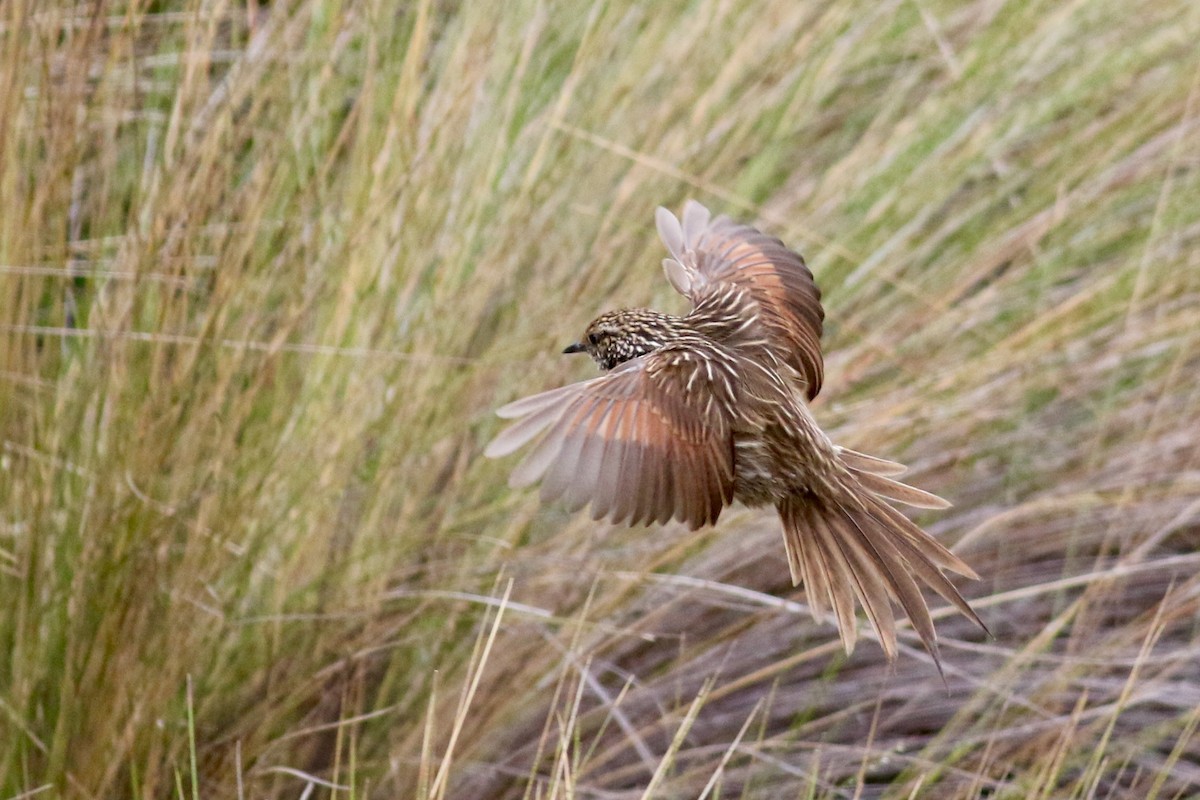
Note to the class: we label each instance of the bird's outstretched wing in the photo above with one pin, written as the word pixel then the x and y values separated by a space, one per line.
pixel 646 442
pixel 709 254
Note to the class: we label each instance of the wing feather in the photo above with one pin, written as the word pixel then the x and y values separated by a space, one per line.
pixel 539 459
pixel 596 438
pixel 636 443
pixel 607 495
pixel 711 255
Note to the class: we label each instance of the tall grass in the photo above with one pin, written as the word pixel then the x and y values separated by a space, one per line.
pixel 266 268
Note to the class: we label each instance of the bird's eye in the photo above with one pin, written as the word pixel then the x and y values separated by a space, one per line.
pixel 593 338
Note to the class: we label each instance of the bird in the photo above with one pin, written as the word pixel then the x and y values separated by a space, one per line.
pixel 696 411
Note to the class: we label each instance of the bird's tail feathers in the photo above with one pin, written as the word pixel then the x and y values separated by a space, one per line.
pixel 865 463
pixel 864 550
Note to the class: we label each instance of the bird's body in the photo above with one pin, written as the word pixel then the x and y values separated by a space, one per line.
pixel 698 410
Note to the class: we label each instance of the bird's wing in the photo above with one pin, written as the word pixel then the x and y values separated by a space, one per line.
pixel 709 254
pixel 649 441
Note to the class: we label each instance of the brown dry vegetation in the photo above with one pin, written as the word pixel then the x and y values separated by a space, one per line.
pixel 266 268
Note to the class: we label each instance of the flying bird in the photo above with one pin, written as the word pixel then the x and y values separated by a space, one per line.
pixel 696 411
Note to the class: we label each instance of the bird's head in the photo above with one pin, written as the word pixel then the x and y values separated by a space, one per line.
pixel 617 336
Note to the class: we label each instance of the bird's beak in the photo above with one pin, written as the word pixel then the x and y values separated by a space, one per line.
pixel 576 347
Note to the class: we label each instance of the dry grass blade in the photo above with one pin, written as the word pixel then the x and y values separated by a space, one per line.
pixel 479 658
pixel 681 733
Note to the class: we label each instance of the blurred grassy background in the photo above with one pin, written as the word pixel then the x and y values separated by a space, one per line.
pixel 266 268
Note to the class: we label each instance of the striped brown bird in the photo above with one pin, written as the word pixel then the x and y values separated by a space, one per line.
pixel 696 411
